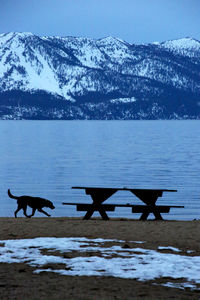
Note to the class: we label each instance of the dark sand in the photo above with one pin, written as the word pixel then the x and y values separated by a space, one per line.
pixel 17 281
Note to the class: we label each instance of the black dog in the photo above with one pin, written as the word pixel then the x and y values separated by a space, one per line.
pixel 34 202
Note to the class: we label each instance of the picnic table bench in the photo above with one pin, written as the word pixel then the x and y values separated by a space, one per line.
pixel 99 195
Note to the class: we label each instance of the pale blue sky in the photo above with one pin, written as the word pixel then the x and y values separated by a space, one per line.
pixel 136 21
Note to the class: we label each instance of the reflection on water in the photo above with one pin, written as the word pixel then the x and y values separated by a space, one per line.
pixel 46 158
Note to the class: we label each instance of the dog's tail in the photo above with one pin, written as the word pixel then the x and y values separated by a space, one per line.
pixel 12 196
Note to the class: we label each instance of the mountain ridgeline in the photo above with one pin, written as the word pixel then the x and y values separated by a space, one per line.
pixel 81 78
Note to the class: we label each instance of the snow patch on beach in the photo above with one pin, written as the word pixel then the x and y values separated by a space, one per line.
pixel 106 258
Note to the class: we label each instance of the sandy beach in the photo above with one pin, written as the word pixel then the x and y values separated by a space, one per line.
pixel 18 281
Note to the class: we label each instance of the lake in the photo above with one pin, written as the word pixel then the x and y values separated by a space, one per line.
pixel 47 158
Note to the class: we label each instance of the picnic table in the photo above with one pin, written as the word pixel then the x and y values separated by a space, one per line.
pixel 100 194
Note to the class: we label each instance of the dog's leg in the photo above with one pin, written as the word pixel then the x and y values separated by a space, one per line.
pixel 44 212
pixel 18 209
pixel 24 209
pixel 33 212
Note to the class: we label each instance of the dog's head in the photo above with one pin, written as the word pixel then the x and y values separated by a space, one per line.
pixel 49 204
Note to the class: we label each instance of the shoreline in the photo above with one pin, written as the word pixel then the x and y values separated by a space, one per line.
pixel 18 280
pixel 180 234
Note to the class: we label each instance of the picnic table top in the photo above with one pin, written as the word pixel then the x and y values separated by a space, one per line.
pixel 121 189
pixel 118 205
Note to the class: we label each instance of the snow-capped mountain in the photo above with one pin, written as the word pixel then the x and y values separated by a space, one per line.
pixel 82 78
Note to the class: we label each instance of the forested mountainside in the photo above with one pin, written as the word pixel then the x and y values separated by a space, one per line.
pixel 82 78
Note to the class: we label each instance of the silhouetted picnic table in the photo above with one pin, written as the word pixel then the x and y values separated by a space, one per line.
pixel 99 195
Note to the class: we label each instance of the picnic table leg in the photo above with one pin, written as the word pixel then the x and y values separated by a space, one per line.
pixel 144 216
pixel 157 215
pixel 154 211
pixel 103 213
pixel 92 210
pixel 98 196
pixel 88 214
pixel 149 197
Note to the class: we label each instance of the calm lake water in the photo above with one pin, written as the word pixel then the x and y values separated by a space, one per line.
pixel 47 158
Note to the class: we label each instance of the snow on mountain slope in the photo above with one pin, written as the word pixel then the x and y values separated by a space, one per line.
pixel 29 63
pixel 24 66
pixel 117 50
pixel 186 46
pixel 85 70
pixel 162 72
pixel 84 50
